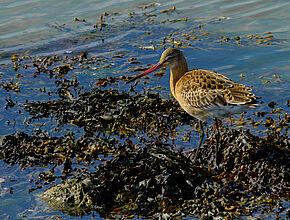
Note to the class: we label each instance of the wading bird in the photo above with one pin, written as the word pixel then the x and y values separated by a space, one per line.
pixel 203 94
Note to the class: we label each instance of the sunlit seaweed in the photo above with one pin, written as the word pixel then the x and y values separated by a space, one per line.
pixel 157 181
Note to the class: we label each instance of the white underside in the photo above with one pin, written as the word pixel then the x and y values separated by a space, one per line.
pixel 217 112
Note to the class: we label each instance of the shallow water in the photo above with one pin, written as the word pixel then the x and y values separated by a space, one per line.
pixel 34 27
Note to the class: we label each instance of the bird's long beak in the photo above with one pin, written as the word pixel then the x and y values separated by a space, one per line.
pixel 152 69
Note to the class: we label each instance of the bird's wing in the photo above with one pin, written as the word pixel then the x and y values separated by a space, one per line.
pixel 203 89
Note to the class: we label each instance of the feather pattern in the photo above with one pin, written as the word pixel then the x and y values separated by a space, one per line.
pixel 206 94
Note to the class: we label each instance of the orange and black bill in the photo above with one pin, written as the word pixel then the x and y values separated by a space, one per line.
pixel 152 69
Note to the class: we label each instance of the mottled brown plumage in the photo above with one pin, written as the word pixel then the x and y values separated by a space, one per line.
pixel 201 93
pixel 204 94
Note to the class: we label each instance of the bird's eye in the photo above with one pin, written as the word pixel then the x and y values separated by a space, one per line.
pixel 168 58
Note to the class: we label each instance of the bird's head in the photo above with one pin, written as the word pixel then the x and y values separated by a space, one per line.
pixel 171 57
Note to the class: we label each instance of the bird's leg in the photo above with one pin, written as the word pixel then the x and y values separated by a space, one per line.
pixel 201 136
pixel 217 141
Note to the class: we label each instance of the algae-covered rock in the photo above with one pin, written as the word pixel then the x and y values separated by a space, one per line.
pixel 70 197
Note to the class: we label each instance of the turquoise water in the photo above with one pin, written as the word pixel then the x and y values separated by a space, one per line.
pixel 34 27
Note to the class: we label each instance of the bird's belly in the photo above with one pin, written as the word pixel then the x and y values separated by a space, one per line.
pixel 213 111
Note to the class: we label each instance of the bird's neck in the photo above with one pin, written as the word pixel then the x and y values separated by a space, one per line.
pixel 176 72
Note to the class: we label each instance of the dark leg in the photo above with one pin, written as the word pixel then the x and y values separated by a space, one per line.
pixel 217 140
pixel 201 133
